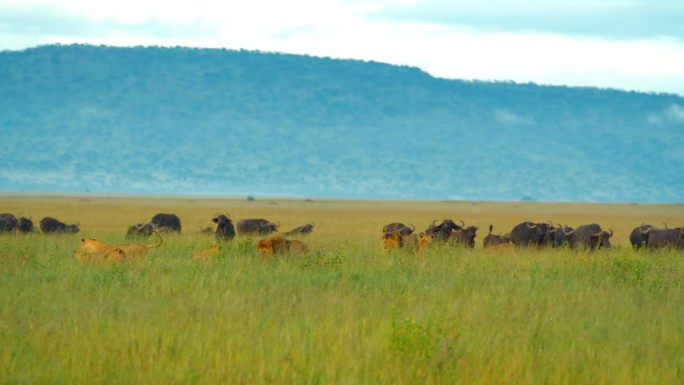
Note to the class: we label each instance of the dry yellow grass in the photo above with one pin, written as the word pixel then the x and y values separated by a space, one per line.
pixel 352 219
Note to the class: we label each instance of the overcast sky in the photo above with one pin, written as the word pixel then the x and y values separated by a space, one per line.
pixel 623 44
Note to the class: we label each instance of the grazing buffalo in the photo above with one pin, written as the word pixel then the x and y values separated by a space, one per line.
pixel 530 234
pixel 256 227
pixel 166 222
pixel 442 232
pixel 665 238
pixel 277 245
pixel 588 236
pixel 51 225
pixel 8 223
pixel 303 229
pixel 639 236
pixel 560 239
pixel 400 227
pixel 140 230
pixel 464 237
pixel 225 231
pixel 25 225
pixel 493 239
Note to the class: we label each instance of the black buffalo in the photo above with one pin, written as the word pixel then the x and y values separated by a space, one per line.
pixel 25 225
pixel 166 222
pixel 256 227
pixel 51 225
pixel 442 232
pixel 531 234
pixel 303 229
pixel 560 239
pixel 464 237
pixel 398 227
pixel 140 230
pixel 588 236
pixel 8 223
pixel 493 239
pixel 639 236
pixel 225 231
pixel 664 238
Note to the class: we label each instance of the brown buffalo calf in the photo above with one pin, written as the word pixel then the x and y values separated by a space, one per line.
pixel 277 245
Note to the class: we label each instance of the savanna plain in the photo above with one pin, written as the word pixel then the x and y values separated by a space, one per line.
pixel 347 312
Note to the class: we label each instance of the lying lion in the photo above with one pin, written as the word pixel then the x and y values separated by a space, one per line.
pixel 276 244
pixel 112 255
pixel 93 249
pixel 203 255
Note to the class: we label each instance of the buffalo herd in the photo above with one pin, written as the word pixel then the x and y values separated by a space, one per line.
pixel 527 234
pixel 395 235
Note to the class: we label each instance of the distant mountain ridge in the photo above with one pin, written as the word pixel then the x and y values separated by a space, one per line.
pixel 224 122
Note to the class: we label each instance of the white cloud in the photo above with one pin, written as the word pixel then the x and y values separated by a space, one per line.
pixel 367 30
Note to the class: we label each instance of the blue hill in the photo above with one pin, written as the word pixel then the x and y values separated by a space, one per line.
pixel 222 122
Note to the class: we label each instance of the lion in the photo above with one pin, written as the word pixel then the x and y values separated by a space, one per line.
pixel 112 255
pixel 92 248
pixel 278 245
pixel 203 255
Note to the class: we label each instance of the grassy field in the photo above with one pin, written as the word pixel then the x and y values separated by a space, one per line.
pixel 347 312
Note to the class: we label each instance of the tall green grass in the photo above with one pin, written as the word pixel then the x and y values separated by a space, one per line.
pixel 346 313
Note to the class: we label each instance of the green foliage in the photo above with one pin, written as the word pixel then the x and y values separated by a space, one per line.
pixel 344 313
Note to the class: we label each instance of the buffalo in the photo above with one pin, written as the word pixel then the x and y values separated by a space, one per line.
pixel 303 229
pixel 51 225
pixel 464 237
pixel 530 234
pixel 25 225
pixel 560 239
pixel 166 222
pixel 400 227
pixel 8 223
pixel 664 238
pixel 639 236
pixel 492 239
pixel 442 232
pixel 225 231
pixel 140 230
pixel 256 227
pixel 588 236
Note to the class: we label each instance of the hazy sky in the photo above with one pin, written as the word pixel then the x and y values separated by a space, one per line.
pixel 624 44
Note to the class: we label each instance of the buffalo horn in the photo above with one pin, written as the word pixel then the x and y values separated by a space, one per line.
pixel 647 231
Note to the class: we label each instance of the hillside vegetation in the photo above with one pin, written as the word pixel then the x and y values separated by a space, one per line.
pixel 208 121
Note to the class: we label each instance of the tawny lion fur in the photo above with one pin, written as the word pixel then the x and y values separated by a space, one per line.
pixel 276 244
pixel 92 248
